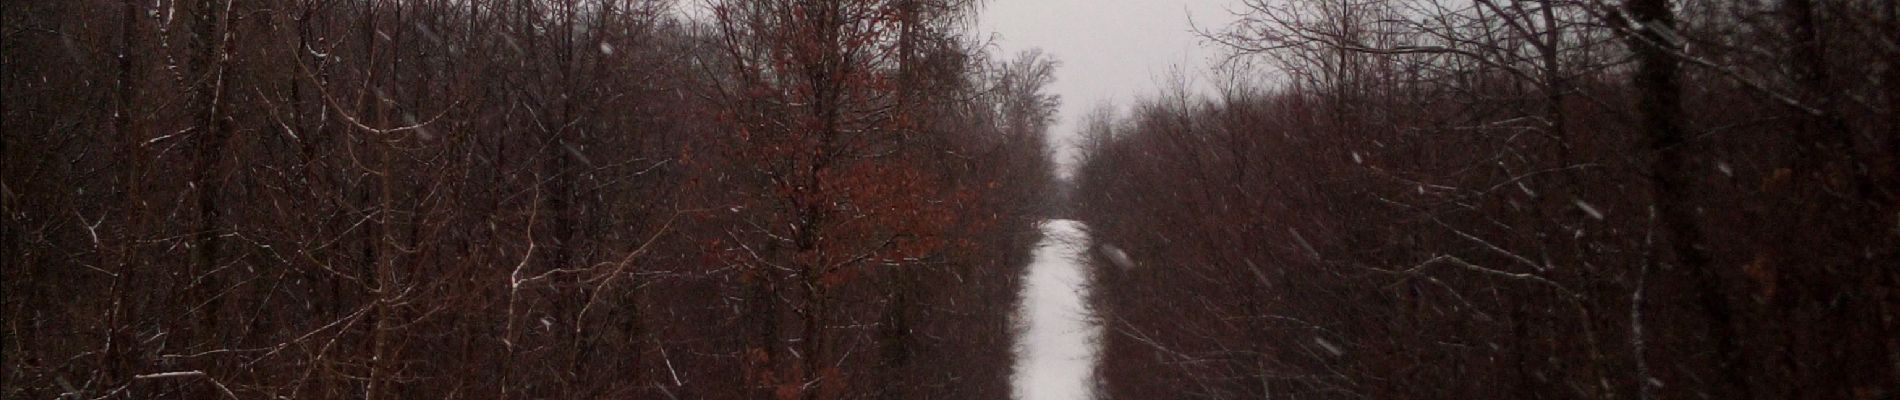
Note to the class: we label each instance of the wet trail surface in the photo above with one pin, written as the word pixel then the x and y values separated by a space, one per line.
pixel 1058 340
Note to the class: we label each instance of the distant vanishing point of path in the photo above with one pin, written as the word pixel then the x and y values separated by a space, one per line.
pixel 1056 348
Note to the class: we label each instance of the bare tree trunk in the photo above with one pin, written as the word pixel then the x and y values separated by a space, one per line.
pixel 1824 133
pixel 762 352
pixel 1892 82
pixel 118 361
pixel 1554 87
pixel 1658 82
pixel 1889 178
pixel 212 62
pixel 380 254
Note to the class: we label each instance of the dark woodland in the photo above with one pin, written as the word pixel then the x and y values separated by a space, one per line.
pixel 513 199
pixel 1498 199
pixel 836 199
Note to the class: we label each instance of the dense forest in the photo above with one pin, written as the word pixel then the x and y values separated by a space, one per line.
pixel 838 199
pixel 790 199
pixel 1511 199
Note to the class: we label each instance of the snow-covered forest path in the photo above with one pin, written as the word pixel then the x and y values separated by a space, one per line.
pixel 1056 348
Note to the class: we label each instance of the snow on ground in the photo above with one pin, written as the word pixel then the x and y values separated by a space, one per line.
pixel 1058 338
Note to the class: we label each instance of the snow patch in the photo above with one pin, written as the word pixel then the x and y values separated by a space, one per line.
pixel 1116 256
pixel 1058 337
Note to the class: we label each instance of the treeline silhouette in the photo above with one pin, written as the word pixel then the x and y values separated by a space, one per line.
pixel 1540 199
pixel 790 199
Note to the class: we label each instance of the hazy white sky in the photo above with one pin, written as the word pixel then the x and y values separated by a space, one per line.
pixel 1111 50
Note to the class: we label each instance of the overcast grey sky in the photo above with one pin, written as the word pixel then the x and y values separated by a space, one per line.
pixel 1111 50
